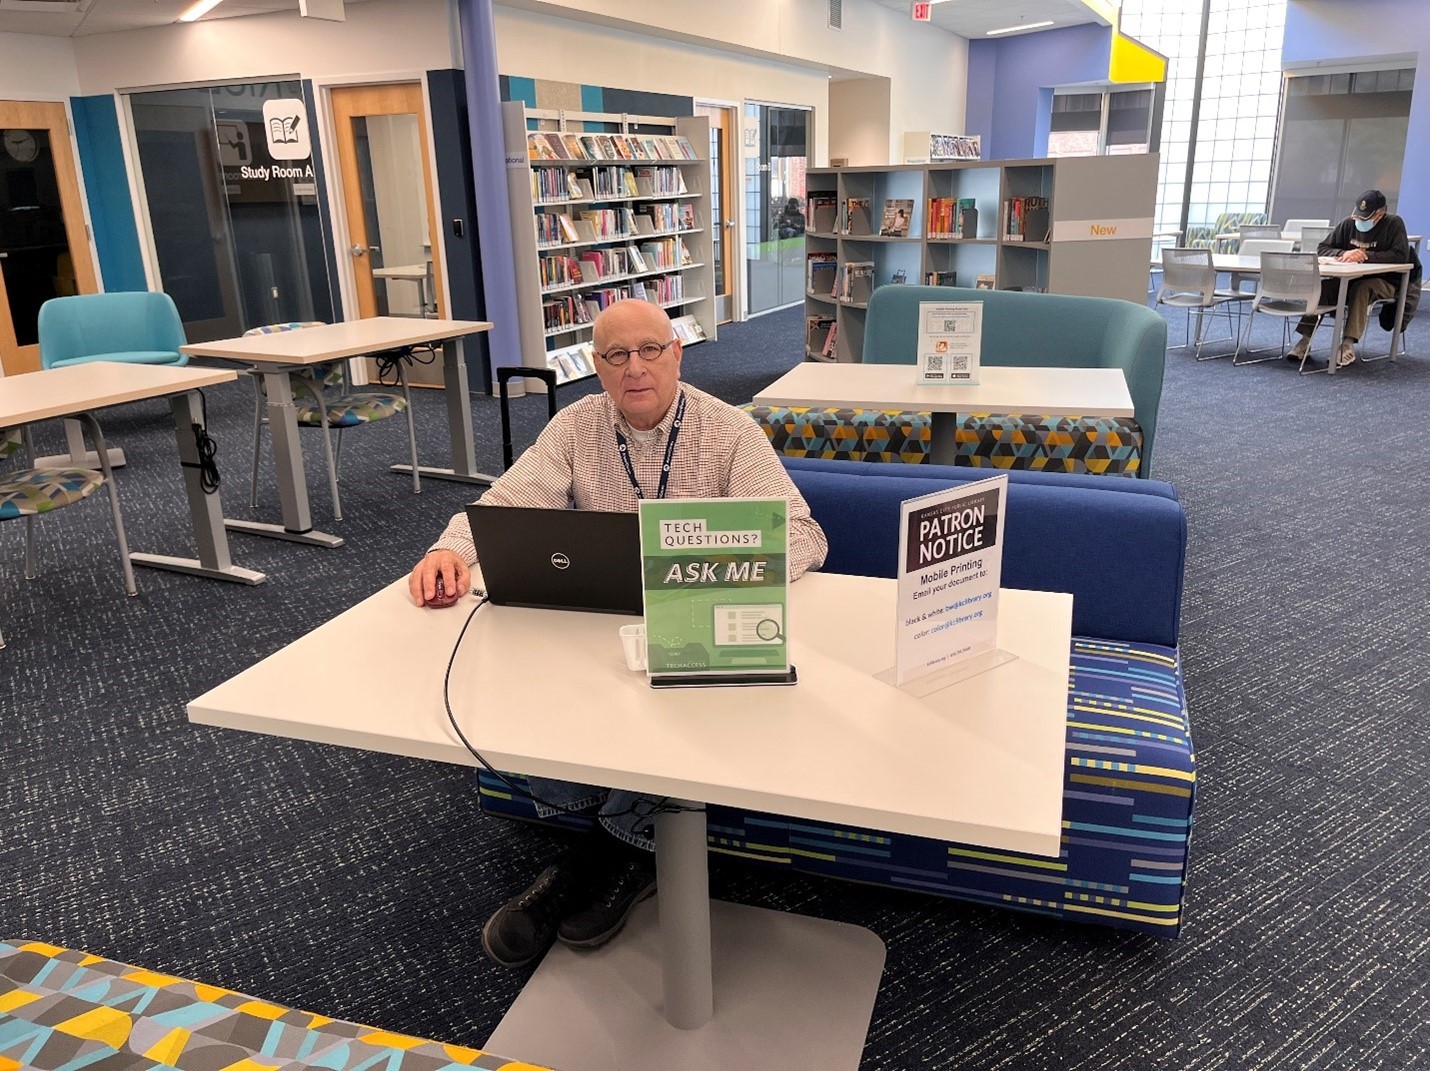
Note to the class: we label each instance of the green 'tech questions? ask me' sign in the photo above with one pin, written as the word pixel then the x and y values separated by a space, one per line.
pixel 716 577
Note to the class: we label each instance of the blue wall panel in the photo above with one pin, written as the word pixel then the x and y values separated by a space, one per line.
pixel 106 183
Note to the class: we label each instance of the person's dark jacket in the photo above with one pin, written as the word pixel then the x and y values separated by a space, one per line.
pixel 1385 243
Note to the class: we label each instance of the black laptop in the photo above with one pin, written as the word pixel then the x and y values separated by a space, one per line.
pixel 559 559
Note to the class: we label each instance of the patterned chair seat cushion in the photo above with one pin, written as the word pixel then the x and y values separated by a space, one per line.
pixel 62 1010
pixel 1128 793
pixel 845 434
pixel 1104 446
pixel 33 491
pixel 347 410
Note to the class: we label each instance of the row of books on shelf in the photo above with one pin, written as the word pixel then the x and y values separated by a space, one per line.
pixel 555 145
pixel 1025 219
pixel 550 184
pixel 613 224
pixel 593 265
pixel 856 218
pixel 572 311
pixel 952 217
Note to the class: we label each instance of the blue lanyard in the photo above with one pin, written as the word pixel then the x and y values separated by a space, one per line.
pixel 625 450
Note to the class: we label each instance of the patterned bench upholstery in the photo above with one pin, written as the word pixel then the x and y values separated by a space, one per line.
pixel 1128 786
pixel 1104 446
pixel 62 1010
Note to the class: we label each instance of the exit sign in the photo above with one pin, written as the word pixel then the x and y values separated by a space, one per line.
pixel 923 12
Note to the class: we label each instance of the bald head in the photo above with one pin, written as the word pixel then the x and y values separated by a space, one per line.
pixel 643 390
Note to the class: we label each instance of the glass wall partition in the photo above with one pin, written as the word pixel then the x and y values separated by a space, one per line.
pixel 230 184
pixel 776 139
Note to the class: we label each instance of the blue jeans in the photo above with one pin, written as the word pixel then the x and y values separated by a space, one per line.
pixel 627 816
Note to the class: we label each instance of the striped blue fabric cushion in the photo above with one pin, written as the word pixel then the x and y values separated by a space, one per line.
pixel 1128 793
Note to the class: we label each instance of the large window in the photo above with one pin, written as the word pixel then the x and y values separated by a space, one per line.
pixel 1101 122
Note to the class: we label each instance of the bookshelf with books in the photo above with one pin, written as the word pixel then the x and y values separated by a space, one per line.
pixel 614 206
pixel 1068 225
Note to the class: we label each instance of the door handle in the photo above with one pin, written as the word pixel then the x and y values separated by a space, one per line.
pixel 358 250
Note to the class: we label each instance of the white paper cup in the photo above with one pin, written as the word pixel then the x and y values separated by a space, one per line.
pixel 633 640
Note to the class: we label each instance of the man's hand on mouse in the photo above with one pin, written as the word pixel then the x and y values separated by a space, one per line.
pixel 443 565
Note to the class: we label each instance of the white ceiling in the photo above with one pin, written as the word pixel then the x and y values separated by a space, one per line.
pixel 78 18
pixel 974 18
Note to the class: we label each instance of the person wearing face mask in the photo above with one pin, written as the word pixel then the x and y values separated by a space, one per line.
pixel 1372 235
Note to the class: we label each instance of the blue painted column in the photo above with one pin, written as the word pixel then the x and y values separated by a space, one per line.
pixel 489 176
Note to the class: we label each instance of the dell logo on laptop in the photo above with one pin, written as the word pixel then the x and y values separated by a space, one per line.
pixel 560 560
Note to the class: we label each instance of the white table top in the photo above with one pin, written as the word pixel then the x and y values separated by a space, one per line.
pixel 79 388
pixel 402 271
pixel 548 693
pixel 1232 262
pixel 328 342
pixel 1055 391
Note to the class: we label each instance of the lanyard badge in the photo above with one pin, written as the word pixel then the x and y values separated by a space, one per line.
pixel 625 452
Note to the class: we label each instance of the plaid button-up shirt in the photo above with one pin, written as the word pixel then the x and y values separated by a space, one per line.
pixel 720 453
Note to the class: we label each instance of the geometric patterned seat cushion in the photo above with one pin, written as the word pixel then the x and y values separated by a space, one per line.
pixel 1105 446
pixel 844 434
pixel 1129 787
pixel 32 491
pixel 62 1010
pixel 345 411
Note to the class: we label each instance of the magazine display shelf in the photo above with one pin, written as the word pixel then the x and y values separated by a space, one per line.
pixel 567 349
pixel 1080 193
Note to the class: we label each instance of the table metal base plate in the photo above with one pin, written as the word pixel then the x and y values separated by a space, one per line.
pixel 193 567
pixel 313 538
pixel 791 993
pixel 446 474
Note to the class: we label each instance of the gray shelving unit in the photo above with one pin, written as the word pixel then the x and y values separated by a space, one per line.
pixel 1082 192
pixel 540 345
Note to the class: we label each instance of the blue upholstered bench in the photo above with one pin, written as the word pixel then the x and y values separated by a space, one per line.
pixel 1130 779
pixel 62 1010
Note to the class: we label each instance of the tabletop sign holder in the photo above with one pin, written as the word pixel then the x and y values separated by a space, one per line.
pixel 950 568
pixel 950 342
pixel 716 577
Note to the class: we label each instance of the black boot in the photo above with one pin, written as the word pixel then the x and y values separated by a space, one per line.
pixel 525 926
pixel 628 879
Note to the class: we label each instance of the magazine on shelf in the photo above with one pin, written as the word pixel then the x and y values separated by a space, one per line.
pixel 857 218
pixel 823 213
pixel 829 352
pixel 897 213
pixel 687 328
pixel 858 282
pixel 986 282
pixel 816 332
pixel 940 278
pixel 538 147
pixel 820 269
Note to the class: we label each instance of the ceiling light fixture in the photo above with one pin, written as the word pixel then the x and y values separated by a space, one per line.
pixel 1020 26
pixel 199 9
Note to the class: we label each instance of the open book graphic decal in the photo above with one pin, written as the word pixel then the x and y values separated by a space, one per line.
pixel 284 131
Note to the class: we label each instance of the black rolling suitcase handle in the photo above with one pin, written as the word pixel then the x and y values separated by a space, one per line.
pixel 546 375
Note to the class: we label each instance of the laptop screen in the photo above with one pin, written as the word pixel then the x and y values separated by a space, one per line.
pixel 559 559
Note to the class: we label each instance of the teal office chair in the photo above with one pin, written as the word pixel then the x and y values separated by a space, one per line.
pixel 139 327
pixel 322 399
pixel 31 491
pixel 1022 329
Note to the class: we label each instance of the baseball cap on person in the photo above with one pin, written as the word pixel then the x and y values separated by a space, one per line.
pixel 1368 204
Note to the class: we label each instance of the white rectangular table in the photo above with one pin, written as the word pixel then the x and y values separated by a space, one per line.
pixel 275 355
pixel 1054 391
pixel 980 761
pixel 1344 272
pixel 82 388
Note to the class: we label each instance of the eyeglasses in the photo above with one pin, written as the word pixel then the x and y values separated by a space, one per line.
pixel 649 353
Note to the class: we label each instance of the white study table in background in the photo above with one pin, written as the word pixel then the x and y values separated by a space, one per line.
pixel 83 388
pixel 1002 390
pixel 410 273
pixel 277 354
pixel 1332 269
pixel 977 762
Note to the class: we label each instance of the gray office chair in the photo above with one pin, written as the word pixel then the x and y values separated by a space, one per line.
pixel 1312 235
pixel 1296 228
pixel 1257 230
pixel 1289 287
pixel 1189 282
pixel 1254 247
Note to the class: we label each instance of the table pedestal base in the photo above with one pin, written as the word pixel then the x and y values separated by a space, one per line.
pixel 312 538
pixel 791 992
pixel 447 474
pixel 193 567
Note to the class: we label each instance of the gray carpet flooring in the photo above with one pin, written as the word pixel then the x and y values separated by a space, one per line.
pixel 356 885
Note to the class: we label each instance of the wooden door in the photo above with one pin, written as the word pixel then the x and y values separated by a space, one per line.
pixel 44 250
pixel 724 122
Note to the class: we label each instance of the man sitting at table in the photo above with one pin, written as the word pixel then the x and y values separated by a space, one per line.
pixel 1369 235
pixel 646 435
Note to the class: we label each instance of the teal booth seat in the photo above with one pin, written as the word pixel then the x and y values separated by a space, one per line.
pixel 1025 329
pixel 138 327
